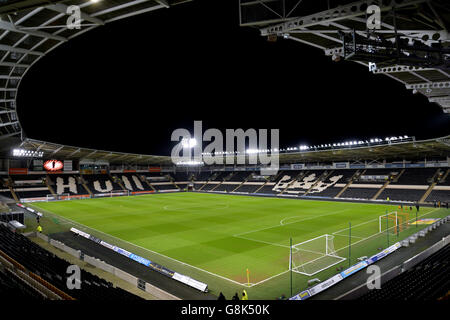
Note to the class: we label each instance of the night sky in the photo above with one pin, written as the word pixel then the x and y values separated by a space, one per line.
pixel 127 85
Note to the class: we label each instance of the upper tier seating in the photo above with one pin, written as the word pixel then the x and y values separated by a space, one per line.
pixel 239 176
pixel 374 173
pixel 416 176
pixel 202 176
pixel 30 186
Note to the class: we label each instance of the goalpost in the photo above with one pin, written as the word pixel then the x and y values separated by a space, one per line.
pixel 314 255
pixel 393 221
pixel 113 193
pixel 118 193
pixel 64 196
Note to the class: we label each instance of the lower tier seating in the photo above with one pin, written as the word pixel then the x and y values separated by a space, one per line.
pixel 439 195
pixel 12 287
pixel 359 193
pixel 402 194
pixel 429 280
pixel 53 269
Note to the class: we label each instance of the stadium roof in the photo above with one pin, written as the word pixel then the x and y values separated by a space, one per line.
pixel 410 150
pixel 416 21
pixel 30 29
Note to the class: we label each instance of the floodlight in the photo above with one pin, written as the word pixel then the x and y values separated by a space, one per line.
pixel 27 153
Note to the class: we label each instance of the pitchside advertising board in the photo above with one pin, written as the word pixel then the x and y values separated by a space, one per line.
pixel 163 270
pixel 306 294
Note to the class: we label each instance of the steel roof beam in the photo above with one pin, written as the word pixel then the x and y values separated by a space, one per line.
pixel 62 8
pixel 4 124
pixel 351 10
pixel 429 85
pixel 13 28
pixel 4 47
pixel 13 64
pixel 7 111
pixel 122 6
pixel 57 150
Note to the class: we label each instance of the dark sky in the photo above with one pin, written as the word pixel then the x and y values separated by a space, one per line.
pixel 126 86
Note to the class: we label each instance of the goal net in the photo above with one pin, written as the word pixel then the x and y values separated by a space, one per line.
pixel 114 193
pixel 393 222
pixel 314 255
pixel 64 196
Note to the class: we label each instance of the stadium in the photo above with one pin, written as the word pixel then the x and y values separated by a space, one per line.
pixel 257 221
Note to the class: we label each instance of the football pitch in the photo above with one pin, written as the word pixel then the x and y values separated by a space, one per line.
pixel 216 238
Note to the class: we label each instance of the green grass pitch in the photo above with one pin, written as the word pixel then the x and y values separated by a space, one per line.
pixel 215 238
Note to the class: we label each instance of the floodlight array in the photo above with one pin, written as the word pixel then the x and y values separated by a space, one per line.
pixel 23 153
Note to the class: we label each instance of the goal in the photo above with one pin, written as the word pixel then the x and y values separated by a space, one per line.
pixel 314 255
pixel 393 222
pixel 64 196
pixel 114 193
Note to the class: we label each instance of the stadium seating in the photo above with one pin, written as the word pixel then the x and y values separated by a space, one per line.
pixel 402 194
pixel 226 187
pixel 439 195
pixel 426 281
pixel 29 186
pixel 66 184
pixel 327 187
pixel 53 269
pixel 101 183
pixel 248 188
pixel 239 176
pixel 268 189
pixel 359 193
pixel 133 182
pixel 416 176
pixel 410 185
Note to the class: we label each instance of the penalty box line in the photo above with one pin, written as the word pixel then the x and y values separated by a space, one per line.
pixel 280 245
pixel 373 220
pixel 288 223
pixel 378 233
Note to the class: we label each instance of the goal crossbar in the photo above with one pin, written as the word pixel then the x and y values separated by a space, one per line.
pixel 314 255
pixel 399 219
